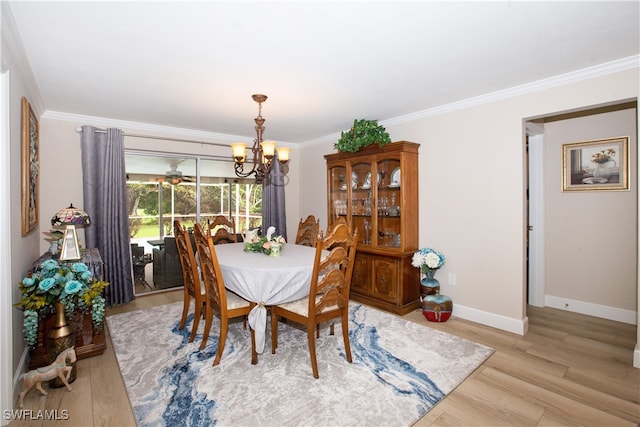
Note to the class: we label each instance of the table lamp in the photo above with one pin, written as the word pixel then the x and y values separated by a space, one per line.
pixel 70 218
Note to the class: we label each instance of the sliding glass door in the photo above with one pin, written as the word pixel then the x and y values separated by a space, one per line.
pixel 163 188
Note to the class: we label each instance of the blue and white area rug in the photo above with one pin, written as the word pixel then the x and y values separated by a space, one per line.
pixel 400 370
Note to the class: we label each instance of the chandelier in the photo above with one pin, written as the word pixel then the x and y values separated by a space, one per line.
pixel 263 151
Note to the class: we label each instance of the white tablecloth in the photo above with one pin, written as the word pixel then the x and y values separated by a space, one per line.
pixel 266 280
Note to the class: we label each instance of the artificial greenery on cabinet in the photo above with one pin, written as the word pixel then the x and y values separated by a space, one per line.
pixel 362 133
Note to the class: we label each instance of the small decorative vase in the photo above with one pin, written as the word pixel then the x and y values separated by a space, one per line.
pixel 437 308
pixel 275 250
pixel 61 337
pixel 604 170
pixel 53 248
pixel 429 285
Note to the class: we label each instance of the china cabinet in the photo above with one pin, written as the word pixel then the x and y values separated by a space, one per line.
pixel 376 191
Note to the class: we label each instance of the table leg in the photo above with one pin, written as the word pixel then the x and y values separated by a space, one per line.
pixel 254 353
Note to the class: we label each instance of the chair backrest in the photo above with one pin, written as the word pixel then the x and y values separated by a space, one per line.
pixel 222 230
pixel 331 278
pixel 213 282
pixel 339 231
pixel 187 259
pixel 137 251
pixel 308 230
pixel 169 246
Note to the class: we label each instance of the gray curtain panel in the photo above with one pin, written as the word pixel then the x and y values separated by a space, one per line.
pixel 273 204
pixel 105 200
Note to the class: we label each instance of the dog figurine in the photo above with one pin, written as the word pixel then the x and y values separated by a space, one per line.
pixel 58 369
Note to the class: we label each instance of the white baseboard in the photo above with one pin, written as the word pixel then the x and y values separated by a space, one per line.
pixel 591 309
pixel 22 367
pixel 636 357
pixel 490 319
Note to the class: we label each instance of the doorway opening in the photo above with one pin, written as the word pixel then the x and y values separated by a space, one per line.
pixel 556 247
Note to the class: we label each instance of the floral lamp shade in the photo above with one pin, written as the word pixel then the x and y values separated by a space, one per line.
pixel 70 215
pixel 70 218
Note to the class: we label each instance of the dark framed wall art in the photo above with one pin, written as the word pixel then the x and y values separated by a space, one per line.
pixel 601 164
pixel 30 168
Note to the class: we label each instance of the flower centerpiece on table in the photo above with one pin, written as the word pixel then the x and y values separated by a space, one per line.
pixel 71 284
pixel 427 259
pixel 269 244
pixel 603 156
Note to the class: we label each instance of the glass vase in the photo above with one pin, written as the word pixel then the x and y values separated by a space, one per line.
pixel 604 170
pixel 275 250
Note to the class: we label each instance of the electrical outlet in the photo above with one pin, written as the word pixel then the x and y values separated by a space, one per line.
pixel 452 279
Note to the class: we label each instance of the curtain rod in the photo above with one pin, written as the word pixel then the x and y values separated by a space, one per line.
pixel 164 138
pixel 148 152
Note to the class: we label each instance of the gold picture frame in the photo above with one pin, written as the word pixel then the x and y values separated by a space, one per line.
pixel 30 168
pixel 596 165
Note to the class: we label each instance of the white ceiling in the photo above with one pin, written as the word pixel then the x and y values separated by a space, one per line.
pixel 195 65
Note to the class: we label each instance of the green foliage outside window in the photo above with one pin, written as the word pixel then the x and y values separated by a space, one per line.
pixel 215 199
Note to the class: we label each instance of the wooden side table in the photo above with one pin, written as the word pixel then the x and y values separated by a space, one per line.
pixel 91 257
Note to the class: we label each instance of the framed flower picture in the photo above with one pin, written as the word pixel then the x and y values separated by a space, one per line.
pixel 30 168
pixel 596 165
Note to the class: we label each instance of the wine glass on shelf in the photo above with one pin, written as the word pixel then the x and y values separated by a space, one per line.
pixel 367 232
pixel 367 204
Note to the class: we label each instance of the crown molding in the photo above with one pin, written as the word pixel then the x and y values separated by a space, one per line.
pixel 14 55
pixel 334 137
pixel 159 130
pixel 143 127
pixel 624 64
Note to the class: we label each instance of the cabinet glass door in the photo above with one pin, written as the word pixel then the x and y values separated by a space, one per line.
pixel 338 193
pixel 388 204
pixel 362 184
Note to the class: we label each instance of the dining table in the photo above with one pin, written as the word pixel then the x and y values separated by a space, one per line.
pixel 156 242
pixel 266 280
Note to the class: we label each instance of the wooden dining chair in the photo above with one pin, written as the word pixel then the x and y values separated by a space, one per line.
pixel 193 287
pixel 222 230
pixel 308 230
pixel 338 242
pixel 329 291
pixel 227 304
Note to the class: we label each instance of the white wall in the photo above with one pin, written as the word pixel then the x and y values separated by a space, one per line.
pixel 23 250
pixel 590 244
pixel 61 162
pixel 472 181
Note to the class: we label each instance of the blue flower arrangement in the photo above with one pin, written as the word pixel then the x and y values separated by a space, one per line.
pixel 427 259
pixel 73 285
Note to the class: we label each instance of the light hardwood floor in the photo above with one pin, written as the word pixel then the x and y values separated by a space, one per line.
pixel 568 370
